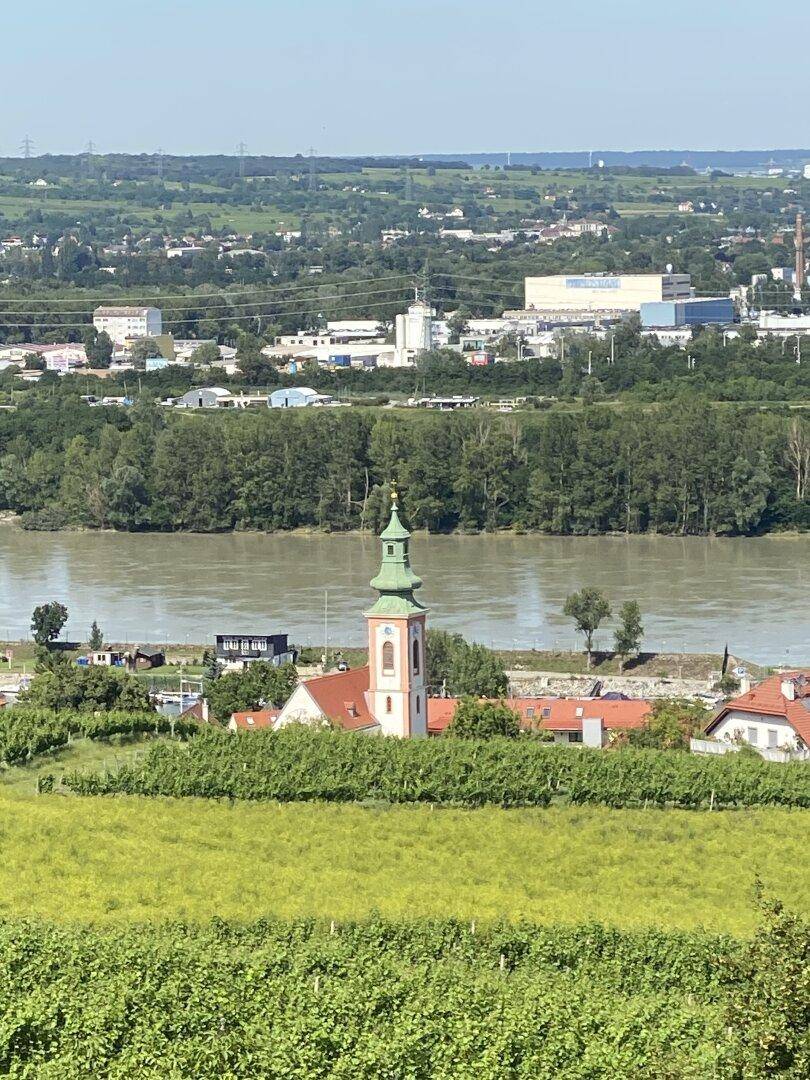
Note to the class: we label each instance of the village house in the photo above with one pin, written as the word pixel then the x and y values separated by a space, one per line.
pixel 773 717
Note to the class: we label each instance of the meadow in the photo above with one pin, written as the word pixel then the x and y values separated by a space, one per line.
pixel 130 859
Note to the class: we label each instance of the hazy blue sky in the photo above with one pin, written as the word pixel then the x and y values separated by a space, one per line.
pixel 386 77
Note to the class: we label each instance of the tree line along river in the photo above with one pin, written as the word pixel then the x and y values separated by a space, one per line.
pixel 696 594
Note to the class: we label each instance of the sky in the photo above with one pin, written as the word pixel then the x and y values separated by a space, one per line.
pixel 385 77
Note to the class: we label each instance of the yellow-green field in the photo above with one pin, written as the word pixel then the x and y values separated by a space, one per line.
pixel 68 858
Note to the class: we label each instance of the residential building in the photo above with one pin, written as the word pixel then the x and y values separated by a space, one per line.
pixel 122 323
pixel 252 720
pixel 604 292
pixel 696 311
pixel 587 721
pixel 772 716
pixel 240 650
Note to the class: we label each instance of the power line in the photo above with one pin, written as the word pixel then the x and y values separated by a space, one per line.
pixel 214 307
pixel 26 146
pixel 136 300
pixel 222 318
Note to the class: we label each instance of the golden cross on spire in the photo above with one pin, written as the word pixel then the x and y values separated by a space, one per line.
pixel 394 495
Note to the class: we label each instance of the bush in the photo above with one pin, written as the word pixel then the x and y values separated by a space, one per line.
pixel 483 720
pixel 297 764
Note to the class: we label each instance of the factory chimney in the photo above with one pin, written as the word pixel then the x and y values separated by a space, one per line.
pixel 800 265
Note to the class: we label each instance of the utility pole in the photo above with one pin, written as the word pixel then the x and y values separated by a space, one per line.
pixel 590 364
pixel 90 149
pixel 798 349
pixel 800 265
pixel 241 151
pixel 26 146
pixel 612 350
pixel 311 181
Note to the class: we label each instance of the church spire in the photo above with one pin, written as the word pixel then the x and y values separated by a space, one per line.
pixel 395 581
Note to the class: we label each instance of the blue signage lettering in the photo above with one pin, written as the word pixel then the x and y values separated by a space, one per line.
pixel 593 283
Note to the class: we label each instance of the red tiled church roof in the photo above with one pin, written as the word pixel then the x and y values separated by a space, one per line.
pixel 767 699
pixel 342 697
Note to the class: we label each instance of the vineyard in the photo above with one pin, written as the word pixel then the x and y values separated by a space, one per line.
pixel 378 999
pixel 297 764
pixel 26 732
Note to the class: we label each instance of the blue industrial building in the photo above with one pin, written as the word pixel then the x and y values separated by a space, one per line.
pixel 696 311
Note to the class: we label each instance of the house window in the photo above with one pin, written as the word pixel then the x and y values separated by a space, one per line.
pixel 545 712
pixel 390 549
pixel 388 704
pixel 575 736
pixel 752 736
pixel 773 738
pixel 388 658
pixel 416 656
pixel 530 712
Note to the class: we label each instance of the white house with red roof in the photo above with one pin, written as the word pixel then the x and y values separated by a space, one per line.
pixel 774 715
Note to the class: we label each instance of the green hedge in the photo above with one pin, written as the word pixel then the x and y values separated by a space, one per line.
pixel 26 731
pixel 300 764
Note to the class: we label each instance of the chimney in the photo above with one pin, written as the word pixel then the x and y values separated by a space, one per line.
pixel 205 710
pixel 788 689
pixel 745 684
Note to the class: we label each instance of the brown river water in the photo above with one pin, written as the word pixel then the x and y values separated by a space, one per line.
pixel 695 594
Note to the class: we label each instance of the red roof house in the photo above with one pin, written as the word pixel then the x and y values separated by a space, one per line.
pixel 773 715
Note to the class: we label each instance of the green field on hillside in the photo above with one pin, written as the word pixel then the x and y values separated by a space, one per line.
pixel 113 859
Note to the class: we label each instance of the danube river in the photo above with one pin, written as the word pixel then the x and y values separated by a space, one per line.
pixel 508 591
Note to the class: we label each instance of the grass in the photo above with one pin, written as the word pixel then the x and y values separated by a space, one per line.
pixel 120 859
pixel 86 754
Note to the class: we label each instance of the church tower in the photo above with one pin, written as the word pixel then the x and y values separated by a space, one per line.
pixel 397 694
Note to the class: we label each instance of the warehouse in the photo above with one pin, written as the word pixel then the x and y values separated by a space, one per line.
pixel 604 292
pixel 297 397
pixel 697 311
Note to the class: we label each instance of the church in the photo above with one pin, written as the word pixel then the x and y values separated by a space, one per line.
pixel 389 696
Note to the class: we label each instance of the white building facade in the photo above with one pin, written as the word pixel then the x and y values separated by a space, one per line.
pixel 124 323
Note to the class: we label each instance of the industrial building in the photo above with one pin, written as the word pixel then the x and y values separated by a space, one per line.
pixel 414 333
pixel 697 311
pixel 604 292
pixel 297 397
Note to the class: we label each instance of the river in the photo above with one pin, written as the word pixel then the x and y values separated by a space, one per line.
pixel 695 594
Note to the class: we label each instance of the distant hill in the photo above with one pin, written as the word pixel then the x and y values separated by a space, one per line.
pixel 696 159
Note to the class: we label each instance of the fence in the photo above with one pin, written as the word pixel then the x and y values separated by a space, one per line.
pixel 709 746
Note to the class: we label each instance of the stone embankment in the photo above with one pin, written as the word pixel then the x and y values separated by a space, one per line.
pixel 556 684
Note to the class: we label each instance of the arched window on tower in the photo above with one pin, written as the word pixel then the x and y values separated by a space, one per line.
pixel 416 656
pixel 388 704
pixel 388 658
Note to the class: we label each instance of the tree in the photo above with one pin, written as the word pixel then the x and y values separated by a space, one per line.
pixel 260 684
pixel 63 685
pixel 95 638
pixel 629 632
pixel 475 719
pixel 587 608
pixel 670 725
pixel 460 668
pixel 47 621
pixel 205 354
pixel 210 665
pixel 145 349
pixel 99 350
